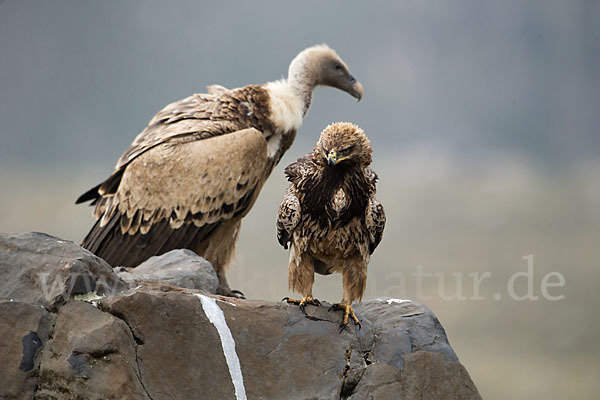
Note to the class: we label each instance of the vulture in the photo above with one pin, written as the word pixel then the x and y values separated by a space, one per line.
pixel 330 217
pixel 195 171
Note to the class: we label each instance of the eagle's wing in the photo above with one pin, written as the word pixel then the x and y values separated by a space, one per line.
pixel 375 214
pixel 288 216
pixel 375 223
pixel 297 170
pixel 176 193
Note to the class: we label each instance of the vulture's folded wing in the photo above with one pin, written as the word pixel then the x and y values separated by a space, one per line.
pixel 199 116
pixel 177 193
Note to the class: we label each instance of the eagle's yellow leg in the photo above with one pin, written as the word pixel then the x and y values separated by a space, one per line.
pixel 348 313
pixel 301 303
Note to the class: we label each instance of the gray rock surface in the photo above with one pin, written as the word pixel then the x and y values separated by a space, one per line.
pixel 96 357
pixel 24 328
pixel 164 342
pixel 36 268
pixel 182 268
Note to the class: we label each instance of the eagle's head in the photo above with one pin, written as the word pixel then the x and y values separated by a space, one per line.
pixel 343 144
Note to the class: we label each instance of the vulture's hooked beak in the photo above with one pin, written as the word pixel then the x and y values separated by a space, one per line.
pixel 332 159
pixel 356 89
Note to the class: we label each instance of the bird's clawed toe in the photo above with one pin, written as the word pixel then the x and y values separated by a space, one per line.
pixel 226 291
pixel 238 294
pixel 304 301
pixel 348 313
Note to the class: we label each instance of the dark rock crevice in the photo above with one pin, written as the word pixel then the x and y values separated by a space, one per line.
pixel 136 342
pixel 353 372
pixel 44 347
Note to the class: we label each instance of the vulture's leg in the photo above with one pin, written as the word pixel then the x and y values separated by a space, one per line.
pixel 224 290
pixel 219 248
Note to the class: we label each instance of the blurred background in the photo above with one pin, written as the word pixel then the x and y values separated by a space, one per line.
pixel 484 118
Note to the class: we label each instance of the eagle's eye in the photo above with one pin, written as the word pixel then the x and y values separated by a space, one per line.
pixel 347 150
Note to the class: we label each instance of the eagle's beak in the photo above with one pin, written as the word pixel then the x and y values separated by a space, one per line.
pixel 332 159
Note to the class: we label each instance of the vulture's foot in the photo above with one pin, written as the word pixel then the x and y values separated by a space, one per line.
pixel 226 291
pixel 348 313
pixel 301 303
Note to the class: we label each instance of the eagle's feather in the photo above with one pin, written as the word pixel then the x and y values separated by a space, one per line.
pixel 329 213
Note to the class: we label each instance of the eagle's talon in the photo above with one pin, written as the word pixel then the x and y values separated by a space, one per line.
pixel 303 302
pixel 348 313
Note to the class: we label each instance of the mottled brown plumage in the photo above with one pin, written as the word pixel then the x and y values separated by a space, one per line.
pixel 195 171
pixel 330 216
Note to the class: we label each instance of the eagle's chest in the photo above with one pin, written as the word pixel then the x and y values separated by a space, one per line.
pixel 334 223
pixel 335 240
pixel 338 202
pixel 329 207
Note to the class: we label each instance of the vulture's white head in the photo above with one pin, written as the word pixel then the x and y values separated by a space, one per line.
pixel 320 65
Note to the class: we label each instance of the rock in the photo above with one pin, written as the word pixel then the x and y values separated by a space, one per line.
pixel 36 268
pixel 91 355
pixel 163 342
pixel 23 330
pixel 182 268
pixel 401 350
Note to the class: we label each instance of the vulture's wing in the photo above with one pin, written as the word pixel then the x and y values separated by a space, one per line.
pixel 288 216
pixel 216 89
pixel 176 193
pixel 199 116
pixel 375 223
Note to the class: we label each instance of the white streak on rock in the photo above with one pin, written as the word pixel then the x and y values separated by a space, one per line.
pixel 397 301
pixel 227 302
pixel 217 318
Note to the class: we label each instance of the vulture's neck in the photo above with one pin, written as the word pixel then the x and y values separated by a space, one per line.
pixel 303 90
pixel 301 79
pixel 288 104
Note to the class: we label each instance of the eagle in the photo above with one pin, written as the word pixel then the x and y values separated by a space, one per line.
pixel 195 171
pixel 330 217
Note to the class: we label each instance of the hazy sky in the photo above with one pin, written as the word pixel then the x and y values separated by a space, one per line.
pixel 484 118
pixel 79 79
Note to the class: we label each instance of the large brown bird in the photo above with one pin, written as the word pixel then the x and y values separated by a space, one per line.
pixel 196 170
pixel 330 215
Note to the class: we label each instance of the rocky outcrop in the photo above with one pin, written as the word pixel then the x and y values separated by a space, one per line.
pixel 36 268
pixel 155 341
pixel 181 268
